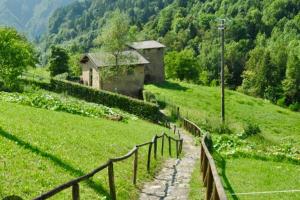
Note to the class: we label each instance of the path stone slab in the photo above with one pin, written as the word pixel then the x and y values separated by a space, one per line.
pixel 172 182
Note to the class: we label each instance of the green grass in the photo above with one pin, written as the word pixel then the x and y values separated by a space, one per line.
pixel 41 149
pixel 244 175
pixel 202 105
pixel 197 190
pixel 279 138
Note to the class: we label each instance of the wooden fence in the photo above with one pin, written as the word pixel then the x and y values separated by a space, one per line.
pixel 110 166
pixel 210 176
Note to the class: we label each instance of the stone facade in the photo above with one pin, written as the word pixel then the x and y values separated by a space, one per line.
pixel 153 51
pixel 155 70
pixel 129 81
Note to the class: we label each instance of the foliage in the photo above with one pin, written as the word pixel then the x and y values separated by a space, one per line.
pixel 131 105
pixel 115 35
pixel 251 129
pixel 59 61
pixel 181 65
pixel 59 103
pixel 259 37
pixel 16 55
pixel 74 63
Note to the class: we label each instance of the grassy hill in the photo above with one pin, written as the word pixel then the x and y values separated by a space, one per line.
pixel 41 149
pixel 245 164
pixel 202 105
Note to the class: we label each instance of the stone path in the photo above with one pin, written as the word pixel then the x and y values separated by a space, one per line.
pixel 172 182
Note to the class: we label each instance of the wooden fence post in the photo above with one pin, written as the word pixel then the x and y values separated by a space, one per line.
pixel 75 191
pixel 162 144
pixel 209 183
pixel 149 157
pixel 112 187
pixel 181 144
pixel 135 165
pixel 177 150
pixel 170 146
pixel 155 147
pixel 174 129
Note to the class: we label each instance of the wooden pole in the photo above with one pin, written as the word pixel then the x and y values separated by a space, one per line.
pixel 170 151
pixel 112 187
pixel 135 166
pixel 222 27
pixel 177 149
pixel 149 157
pixel 75 191
pixel 155 147
pixel 162 144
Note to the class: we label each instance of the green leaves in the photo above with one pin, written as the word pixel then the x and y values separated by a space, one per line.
pixel 16 54
pixel 59 61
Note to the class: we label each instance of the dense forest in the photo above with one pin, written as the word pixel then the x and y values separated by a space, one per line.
pixel 262 39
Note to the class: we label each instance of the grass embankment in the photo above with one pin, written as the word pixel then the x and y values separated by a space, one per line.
pixel 41 149
pixel 278 139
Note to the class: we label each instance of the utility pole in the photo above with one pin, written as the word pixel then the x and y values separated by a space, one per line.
pixel 222 29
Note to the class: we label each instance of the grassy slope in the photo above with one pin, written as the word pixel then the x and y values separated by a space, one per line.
pixel 202 105
pixel 41 149
pixel 278 125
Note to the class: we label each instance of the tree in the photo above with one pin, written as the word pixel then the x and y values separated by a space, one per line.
pixel 116 34
pixel 59 61
pixel 182 65
pixel 291 85
pixel 16 54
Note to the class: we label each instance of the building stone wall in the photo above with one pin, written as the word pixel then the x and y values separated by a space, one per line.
pixel 128 83
pixel 155 71
pixel 87 68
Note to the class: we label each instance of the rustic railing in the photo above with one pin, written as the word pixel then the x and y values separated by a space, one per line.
pixel 210 176
pixel 110 166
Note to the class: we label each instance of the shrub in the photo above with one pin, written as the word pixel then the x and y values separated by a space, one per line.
pixel 223 129
pixel 295 106
pixel 142 109
pixel 251 129
pixel 149 97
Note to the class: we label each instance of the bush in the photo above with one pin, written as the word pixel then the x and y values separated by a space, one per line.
pixel 295 106
pixel 149 97
pixel 251 129
pixel 142 109
pixel 222 129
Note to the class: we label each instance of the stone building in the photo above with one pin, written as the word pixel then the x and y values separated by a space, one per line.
pixel 128 80
pixel 153 51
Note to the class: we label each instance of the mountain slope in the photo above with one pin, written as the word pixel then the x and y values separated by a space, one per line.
pixel 79 23
pixel 29 16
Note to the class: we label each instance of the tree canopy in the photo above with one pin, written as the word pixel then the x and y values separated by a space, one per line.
pixel 16 54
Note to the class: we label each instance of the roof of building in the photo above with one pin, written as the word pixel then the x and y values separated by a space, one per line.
pixel 151 44
pixel 104 59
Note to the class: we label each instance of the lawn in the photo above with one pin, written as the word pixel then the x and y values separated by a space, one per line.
pixel 241 176
pixel 253 168
pixel 202 105
pixel 41 149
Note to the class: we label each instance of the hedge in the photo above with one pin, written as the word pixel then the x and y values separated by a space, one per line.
pixel 137 107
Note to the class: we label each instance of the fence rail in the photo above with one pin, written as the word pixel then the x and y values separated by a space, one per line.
pixel 110 167
pixel 210 176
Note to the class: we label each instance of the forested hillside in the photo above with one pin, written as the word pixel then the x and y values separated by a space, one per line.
pixel 262 39
pixel 29 16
